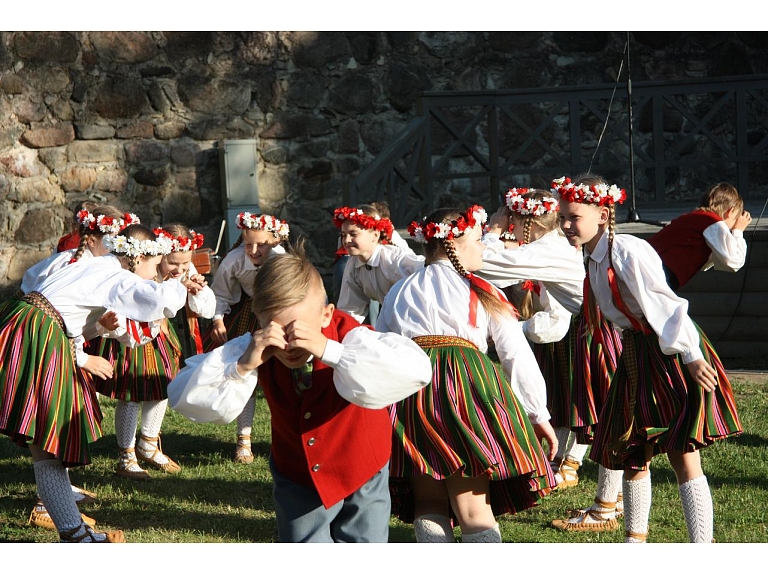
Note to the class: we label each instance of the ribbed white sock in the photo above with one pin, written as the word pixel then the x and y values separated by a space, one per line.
pixel 152 415
pixel 433 528
pixel 490 535
pixel 637 506
pixel 608 484
pixel 126 420
pixel 55 490
pixel 697 508
pixel 245 419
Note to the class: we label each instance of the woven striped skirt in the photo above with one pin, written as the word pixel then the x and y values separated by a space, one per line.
pixel 43 400
pixel 654 400
pixel 554 360
pixel 240 320
pixel 594 360
pixel 467 421
pixel 142 373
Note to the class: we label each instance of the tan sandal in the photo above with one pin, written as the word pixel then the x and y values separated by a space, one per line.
pixel 243 454
pixel 591 520
pixel 109 536
pixel 641 537
pixel 41 518
pixel 128 466
pixel 169 466
pixel 567 472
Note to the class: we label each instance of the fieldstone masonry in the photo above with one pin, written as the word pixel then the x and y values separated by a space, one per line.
pixel 134 118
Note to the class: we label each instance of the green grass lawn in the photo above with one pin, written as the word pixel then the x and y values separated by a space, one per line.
pixel 215 500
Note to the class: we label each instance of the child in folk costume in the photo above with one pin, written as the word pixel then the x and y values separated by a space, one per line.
pixel 71 240
pixel 374 265
pixel 43 404
pixel 141 374
pixel 670 393
pixel 710 236
pixel 464 446
pixel 330 447
pixel 544 275
pixel 92 226
pixel 233 286
pixel 588 356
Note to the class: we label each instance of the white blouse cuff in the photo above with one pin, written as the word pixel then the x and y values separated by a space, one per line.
pixel 332 354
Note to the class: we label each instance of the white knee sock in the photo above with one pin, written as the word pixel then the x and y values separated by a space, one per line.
pixel 637 506
pixel 245 419
pixel 562 434
pixel 575 451
pixel 608 484
pixel 433 528
pixel 152 415
pixel 126 420
pixel 55 490
pixel 697 508
pixel 490 535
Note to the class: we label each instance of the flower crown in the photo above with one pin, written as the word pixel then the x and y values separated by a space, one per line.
pixel 362 220
pixel 180 243
pixel 247 220
pixel 529 206
pixel 105 224
pixel 596 194
pixel 448 231
pixel 133 247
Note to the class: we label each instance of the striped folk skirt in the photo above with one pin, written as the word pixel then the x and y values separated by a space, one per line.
pixel 653 400
pixel 141 373
pixel 594 360
pixel 43 400
pixel 466 421
pixel 554 360
pixel 239 321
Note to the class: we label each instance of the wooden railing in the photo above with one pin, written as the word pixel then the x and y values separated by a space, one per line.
pixel 471 146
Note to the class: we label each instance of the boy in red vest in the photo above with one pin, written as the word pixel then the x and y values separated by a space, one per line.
pixel 329 457
pixel 712 235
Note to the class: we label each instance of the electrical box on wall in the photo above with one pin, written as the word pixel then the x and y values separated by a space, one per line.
pixel 238 163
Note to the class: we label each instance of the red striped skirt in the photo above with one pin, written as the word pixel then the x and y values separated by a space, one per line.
pixel 239 321
pixel 142 373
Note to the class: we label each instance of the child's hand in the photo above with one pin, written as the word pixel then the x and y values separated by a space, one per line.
pixel 499 221
pixel 195 283
pixel 98 366
pixel 299 335
pixel 743 221
pixel 219 332
pixel 703 374
pixel 262 346
pixel 109 321
pixel 545 431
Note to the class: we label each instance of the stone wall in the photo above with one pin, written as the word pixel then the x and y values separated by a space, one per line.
pixel 134 118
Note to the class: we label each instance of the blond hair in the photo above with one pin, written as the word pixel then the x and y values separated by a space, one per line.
pixel 547 222
pixel 284 281
pixel 593 312
pixel 720 198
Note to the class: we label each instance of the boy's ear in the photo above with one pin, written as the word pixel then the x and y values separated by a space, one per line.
pixel 327 314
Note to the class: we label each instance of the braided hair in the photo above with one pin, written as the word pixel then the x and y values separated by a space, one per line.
pixel 435 248
pixel 85 231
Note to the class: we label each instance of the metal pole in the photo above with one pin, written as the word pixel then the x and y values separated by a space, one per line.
pixel 632 215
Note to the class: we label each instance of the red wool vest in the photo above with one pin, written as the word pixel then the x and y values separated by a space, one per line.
pixel 681 245
pixel 319 439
